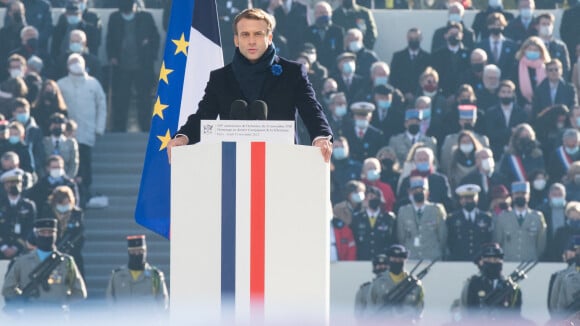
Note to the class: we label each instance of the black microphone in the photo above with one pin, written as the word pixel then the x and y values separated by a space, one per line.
pixel 259 110
pixel 238 110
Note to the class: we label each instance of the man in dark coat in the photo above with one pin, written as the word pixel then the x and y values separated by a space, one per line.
pixel 327 37
pixel 350 15
pixel 408 64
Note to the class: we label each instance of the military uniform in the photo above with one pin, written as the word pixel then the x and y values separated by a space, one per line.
pixel 362 300
pixel 521 242
pixel 65 283
pixel 16 222
pixel 372 238
pixel 411 306
pixel 69 228
pixel 424 233
pixel 569 291
pixel 555 289
pixel 467 231
pixel 149 287
pixel 480 287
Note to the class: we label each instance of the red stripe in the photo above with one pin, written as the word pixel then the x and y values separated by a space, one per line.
pixel 257 232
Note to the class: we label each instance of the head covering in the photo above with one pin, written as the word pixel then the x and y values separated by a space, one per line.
pixel 72 7
pixel 520 186
pixel 383 90
pixel 11 175
pixel 397 250
pixel 499 191
pixel 418 182
pixel 45 223
pixel 468 190
pixel 362 108
pixel 136 242
pixel 492 250
pixel 414 114
pixel 345 55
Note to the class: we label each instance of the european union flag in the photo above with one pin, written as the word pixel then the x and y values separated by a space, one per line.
pixel 192 50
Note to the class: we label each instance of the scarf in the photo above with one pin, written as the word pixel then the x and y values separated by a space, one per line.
pixel 524 76
pixel 251 76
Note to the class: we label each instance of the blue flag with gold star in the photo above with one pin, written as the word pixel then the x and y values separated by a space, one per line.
pixel 192 50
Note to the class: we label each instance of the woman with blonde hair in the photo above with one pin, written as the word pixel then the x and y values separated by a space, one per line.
pixel 532 58
pixel 572 182
pixel 523 155
pixel 463 158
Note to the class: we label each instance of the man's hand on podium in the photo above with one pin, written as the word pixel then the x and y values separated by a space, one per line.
pixel 325 147
pixel 179 140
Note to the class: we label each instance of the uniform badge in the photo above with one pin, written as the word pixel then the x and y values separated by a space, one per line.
pixel 482 224
pixel 481 294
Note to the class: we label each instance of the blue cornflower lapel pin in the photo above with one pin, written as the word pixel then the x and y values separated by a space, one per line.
pixel 276 69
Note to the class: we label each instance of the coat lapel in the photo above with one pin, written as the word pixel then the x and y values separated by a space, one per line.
pixel 270 81
pixel 233 84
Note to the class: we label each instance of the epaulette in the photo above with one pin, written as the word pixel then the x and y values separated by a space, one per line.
pixel 365 284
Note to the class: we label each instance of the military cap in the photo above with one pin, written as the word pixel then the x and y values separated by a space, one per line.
pixel 467 111
pixel 57 118
pixel 520 186
pixel 383 90
pixel 492 250
pixel 362 108
pixel 345 55
pixel 397 250
pixel 380 263
pixel 11 175
pixel 136 241
pixel 45 223
pixel 468 190
pixel 499 191
pixel 413 114
pixel 72 6
pixel 418 182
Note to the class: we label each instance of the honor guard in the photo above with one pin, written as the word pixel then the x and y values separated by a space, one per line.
pixel 138 284
pixel 567 295
pixel 380 265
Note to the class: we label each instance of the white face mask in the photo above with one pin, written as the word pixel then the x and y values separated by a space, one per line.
pixel 56 173
pixel 546 31
pixel 539 184
pixel 466 148
pixel 488 164
pixel 357 197
pixel 362 124
pixel 76 68
pixel 16 73
pixel 355 46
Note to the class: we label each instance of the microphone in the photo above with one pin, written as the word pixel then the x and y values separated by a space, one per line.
pixel 238 110
pixel 259 110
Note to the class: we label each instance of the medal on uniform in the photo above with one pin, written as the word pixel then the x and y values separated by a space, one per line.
pixel 481 294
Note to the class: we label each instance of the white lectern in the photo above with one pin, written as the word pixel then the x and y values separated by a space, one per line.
pixel 249 233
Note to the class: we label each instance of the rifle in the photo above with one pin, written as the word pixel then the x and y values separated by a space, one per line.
pixel 496 296
pixel 69 241
pixel 406 286
pixel 39 276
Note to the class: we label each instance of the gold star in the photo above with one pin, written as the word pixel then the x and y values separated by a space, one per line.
pixel 164 140
pixel 158 108
pixel 164 73
pixel 181 44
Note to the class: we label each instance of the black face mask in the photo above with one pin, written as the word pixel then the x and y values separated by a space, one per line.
pixel 495 30
pixel 469 206
pixel 395 268
pixel 136 262
pixel 419 197
pixel 520 202
pixel 387 164
pixel 414 44
pixel 468 126
pixel 45 243
pixel 477 67
pixel 503 206
pixel 32 43
pixel 15 190
pixel 526 145
pixel 453 40
pixel 56 131
pixel 491 270
pixel 506 100
pixel 374 203
pixel 16 19
pixel 414 129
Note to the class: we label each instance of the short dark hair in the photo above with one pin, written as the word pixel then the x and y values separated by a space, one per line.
pixel 255 14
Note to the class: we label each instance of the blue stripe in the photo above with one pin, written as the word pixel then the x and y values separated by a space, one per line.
pixel 205 20
pixel 228 272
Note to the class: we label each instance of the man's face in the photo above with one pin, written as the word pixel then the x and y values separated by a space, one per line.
pixel 413 36
pixel 15 132
pixel 28 35
pixel 570 142
pixel 556 193
pixel 463 200
pixel 366 116
pixel 337 101
pixel 554 72
pixel 55 165
pixel 491 80
pixel 379 72
pixel 320 11
pixel 15 64
pixel 422 157
pixel 505 92
pixel 75 38
pixel 253 38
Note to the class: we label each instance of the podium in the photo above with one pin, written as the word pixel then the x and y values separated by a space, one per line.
pixel 249 233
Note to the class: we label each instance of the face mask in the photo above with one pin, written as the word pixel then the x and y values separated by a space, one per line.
pixel 73 20
pixel 414 129
pixel 56 131
pixel 526 13
pixel 532 55
pixel 323 21
pixel 487 164
pixel 477 67
pixel 546 31
pixel 14 73
pixel 374 203
pixel 539 184
pixel 454 18
pixel 491 270
pixel 572 150
pixel 348 67
pixel 469 206
pixel 128 17
pixel 13 140
pixel 430 87
pixel 56 173
pixel 357 197
pixel 45 243
pixel 136 262
pixel 76 68
pixel 466 148
pixel 373 175
pixel 426 114
pixel 32 43
pixel 339 153
pixel 467 126
pixel 340 111
pixel 17 18
pixel 506 100
pixel 381 80
pixel 355 46
pixel 520 202
pixel 15 190
pixel 557 201
pixel 384 104
pixel 62 208
pixel 495 30
pixel 22 117
pixel 414 44
pixel 75 47
pixel 387 164
pixel 419 197
pixel 362 124
pixel 503 206
pixel 396 268
pixel 526 145
pixel 423 166
pixel 453 40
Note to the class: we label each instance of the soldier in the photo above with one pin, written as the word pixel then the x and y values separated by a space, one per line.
pixel 17 215
pixel 421 224
pixel 361 303
pixel 555 285
pixel 468 228
pixel 364 139
pixel 138 282
pixel 567 299
pixel 410 306
pixel 490 281
pixel 373 228
pixel 522 231
pixel 63 282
